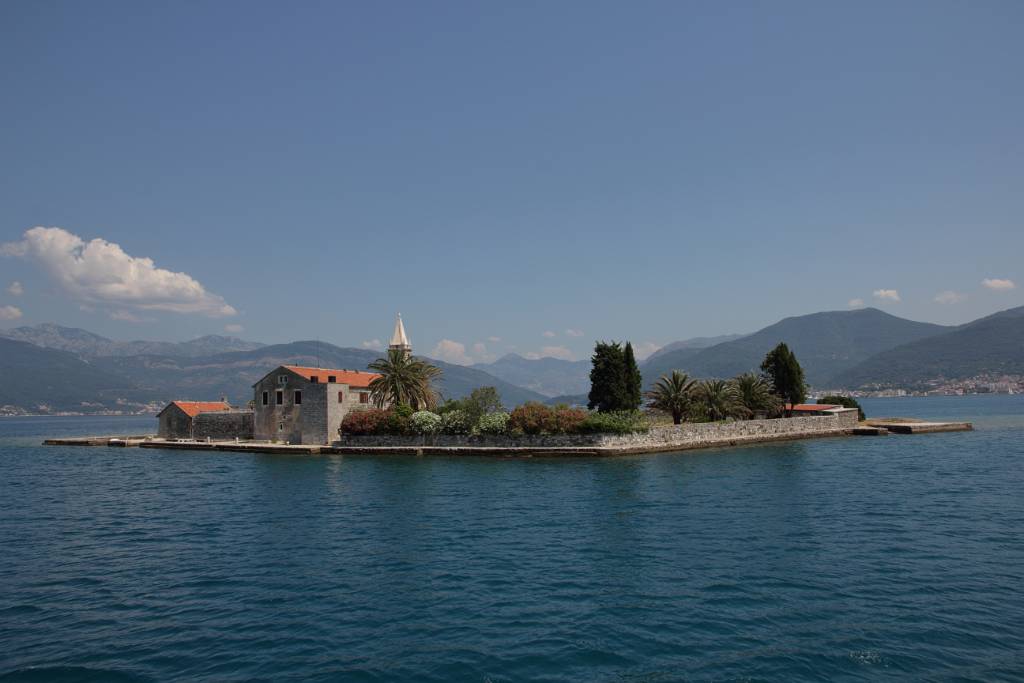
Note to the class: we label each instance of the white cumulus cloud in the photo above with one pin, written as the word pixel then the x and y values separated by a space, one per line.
pixel 574 333
pixel 950 297
pixel 855 303
pixel 494 340
pixel 234 329
pixel 100 272
pixel 455 352
pixel 551 352
pixel 9 312
pixel 15 289
pixel 125 316
pixel 998 284
pixel 887 294
pixel 549 334
pixel 644 349
pixel 373 344
pixel 451 351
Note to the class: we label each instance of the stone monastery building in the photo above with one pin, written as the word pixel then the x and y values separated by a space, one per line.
pixel 306 405
pixel 291 403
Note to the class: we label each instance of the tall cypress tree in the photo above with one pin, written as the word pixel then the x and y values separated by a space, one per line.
pixel 607 377
pixel 633 384
pixel 781 368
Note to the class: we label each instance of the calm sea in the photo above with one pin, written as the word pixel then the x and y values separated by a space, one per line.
pixel 898 557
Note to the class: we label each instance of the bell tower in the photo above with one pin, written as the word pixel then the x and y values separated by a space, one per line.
pixel 400 342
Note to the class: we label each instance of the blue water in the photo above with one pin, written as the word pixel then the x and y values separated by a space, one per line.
pixel 866 558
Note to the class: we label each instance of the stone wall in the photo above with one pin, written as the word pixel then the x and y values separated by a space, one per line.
pixel 662 438
pixel 223 425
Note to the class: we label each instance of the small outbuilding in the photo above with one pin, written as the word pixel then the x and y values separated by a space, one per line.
pixel 203 419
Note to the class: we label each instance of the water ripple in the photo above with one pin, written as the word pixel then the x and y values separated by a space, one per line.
pixel 853 559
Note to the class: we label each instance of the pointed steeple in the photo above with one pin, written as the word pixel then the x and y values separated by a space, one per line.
pixel 399 341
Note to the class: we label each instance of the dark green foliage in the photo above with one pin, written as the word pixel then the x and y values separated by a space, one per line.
pixel 717 399
pixel 755 396
pixel 398 422
pixel 844 401
pixel 781 368
pixel 633 381
pixel 672 394
pixel 481 401
pixel 614 378
pixel 615 422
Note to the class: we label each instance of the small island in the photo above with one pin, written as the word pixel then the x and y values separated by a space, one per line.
pixel 394 408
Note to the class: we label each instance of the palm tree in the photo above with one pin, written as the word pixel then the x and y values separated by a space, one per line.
pixel 403 380
pixel 672 394
pixel 755 394
pixel 718 399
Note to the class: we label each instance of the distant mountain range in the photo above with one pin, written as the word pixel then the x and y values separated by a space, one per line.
pixel 826 344
pixel 694 344
pixel 993 345
pixel 94 379
pixel 547 376
pixel 69 369
pixel 85 343
pixel 568 379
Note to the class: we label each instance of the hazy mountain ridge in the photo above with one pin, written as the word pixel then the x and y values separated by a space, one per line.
pixel 547 376
pixel 694 344
pixel 35 376
pixel 993 345
pixel 556 378
pixel 88 344
pixel 826 344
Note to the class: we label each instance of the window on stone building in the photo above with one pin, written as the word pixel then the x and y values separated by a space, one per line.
pixel 341 397
pixel 266 398
pixel 314 380
pixel 364 397
pixel 282 379
pixel 298 398
pixel 331 379
pixel 280 398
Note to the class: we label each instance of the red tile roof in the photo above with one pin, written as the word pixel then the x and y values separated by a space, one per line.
pixel 811 407
pixel 193 408
pixel 353 378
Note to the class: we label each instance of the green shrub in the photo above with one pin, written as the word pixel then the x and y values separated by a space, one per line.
pixel 364 422
pixel 456 422
pixel 493 424
pixel 425 422
pixel 617 422
pixel 399 420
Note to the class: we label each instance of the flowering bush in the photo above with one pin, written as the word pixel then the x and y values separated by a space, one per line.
pixel 536 418
pixel 362 422
pixel 399 420
pixel 456 422
pixel 617 422
pixel 493 423
pixel 567 420
pixel 529 418
pixel 425 422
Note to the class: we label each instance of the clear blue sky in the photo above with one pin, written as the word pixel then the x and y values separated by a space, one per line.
pixel 650 171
